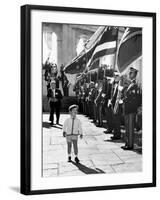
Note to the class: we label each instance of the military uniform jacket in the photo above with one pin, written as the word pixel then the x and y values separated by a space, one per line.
pixel 92 95
pixel 131 99
pixel 99 97
pixel 86 94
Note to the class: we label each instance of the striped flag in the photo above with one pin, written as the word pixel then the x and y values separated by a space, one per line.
pixel 105 50
pixel 129 49
pixel 78 64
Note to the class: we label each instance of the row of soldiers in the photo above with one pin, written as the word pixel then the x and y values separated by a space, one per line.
pixel 118 100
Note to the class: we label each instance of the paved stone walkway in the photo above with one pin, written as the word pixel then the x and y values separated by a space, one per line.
pixel 96 152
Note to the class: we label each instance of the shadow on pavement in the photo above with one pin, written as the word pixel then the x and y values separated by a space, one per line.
pixel 138 150
pixel 46 125
pixel 88 170
pixel 114 141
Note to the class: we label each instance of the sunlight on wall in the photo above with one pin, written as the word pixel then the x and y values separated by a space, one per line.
pixel 53 55
pixel 80 46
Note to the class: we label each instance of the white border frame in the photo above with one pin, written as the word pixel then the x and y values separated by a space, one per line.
pixel 40 183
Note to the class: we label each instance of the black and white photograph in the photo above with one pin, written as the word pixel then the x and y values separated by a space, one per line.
pixel 92 99
pixel 88 99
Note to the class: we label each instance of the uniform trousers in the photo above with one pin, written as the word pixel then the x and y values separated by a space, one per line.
pixel 99 115
pixel 109 118
pixel 129 126
pixel 117 125
pixel 91 111
pixel 95 112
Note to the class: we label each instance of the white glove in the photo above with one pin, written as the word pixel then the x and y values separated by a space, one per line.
pixel 120 88
pixel 120 101
pixel 109 102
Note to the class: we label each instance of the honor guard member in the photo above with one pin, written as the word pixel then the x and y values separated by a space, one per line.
pixel 95 104
pixel 105 96
pixel 80 99
pixel 116 104
pixel 91 100
pixel 85 95
pixel 108 109
pixel 131 103
pixel 86 99
pixel 83 99
pixel 98 102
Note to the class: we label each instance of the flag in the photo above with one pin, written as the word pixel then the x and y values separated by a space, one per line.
pixel 79 63
pixel 105 49
pixel 129 49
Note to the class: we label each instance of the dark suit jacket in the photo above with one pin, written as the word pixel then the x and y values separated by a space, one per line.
pixel 58 95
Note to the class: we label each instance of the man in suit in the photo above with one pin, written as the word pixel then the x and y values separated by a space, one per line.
pixel 131 103
pixel 54 95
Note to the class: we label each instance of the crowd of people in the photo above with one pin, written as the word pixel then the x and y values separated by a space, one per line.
pixel 51 74
pixel 117 100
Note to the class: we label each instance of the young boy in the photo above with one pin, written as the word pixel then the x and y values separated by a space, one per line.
pixel 71 129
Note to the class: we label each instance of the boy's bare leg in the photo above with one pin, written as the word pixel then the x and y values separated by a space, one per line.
pixel 75 146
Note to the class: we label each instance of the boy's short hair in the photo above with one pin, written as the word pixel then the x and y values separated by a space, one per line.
pixel 73 106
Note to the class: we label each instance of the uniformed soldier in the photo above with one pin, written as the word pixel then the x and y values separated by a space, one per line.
pixel 85 96
pixel 116 104
pixel 108 108
pixel 98 102
pixel 104 96
pixel 95 107
pixel 78 95
pixel 131 103
pixel 91 99
pixel 83 99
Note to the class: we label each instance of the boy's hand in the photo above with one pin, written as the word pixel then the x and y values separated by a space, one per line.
pixel 81 136
pixel 64 134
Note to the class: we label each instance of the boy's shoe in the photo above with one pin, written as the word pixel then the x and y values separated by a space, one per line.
pixel 69 159
pixel 76 160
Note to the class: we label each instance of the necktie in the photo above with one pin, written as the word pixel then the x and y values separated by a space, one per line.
pixel 72 126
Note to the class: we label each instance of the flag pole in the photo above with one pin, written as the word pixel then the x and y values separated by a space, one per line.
pixel 116 49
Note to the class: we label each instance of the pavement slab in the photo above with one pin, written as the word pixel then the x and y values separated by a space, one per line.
pixel 97 153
